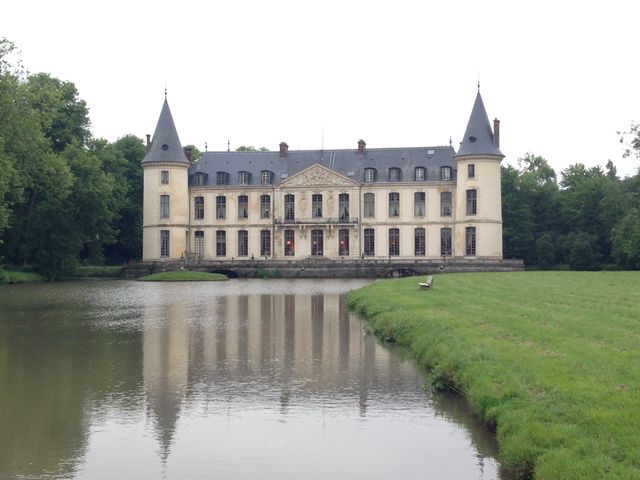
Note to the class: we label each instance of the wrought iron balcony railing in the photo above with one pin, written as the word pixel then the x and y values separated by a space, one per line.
pixel 317 221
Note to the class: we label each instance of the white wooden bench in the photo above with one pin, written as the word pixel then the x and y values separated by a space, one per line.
pixel 426 285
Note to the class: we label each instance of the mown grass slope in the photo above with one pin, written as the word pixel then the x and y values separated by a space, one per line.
pixel 183 276
pixel 551 358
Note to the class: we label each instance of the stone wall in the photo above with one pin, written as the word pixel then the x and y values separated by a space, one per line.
pixel 323 268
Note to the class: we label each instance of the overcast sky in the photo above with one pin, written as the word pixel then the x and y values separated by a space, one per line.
pixel 563 77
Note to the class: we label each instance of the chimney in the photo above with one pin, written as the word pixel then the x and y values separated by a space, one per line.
pixel 496 132
pixel 188 152
pixel 148 141
pixel 284 148
pixel 361 146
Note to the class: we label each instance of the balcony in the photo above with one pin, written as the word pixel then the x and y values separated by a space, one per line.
pixel 317 221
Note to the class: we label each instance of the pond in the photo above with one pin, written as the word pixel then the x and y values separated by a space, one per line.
pixel 264 379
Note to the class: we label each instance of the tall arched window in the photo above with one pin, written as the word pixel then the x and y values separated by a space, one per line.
pixel 394 242
pixel 369 242
pixel 289 207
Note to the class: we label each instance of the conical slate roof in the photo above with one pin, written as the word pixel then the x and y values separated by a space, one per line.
pixel 478 138
pixel 165 146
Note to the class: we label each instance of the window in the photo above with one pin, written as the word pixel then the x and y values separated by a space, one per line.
pixel 221 207
pixel 265 177
pixel 198 210
pixel 472 202
pixel 316 205
pixel 343 206
pixel 394 174
pixel 289 207
pixel 164 177
pixel 200 178
pixel 265 243
pixel 165 247
pixel 222 178
pixel 420 174
pixel 369 175
pixel 445 241
pixel 243 243
pixel 289 243
pixel 199 243
pixel 470 243
pixel 221 243
pixel 418 204
pixel 394 204
pixel 243 207
pixel 471 171
pixel 265 206
pixel 165 208
pixel 369 242
pixel 369 205
pixel 316 243
pixel 420 242
pixel 343 242
pixel 445 204
pixel 394 242
pixel 445 174
pixel 244 178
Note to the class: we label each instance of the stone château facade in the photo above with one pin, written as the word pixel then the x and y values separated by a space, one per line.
pixel 381 203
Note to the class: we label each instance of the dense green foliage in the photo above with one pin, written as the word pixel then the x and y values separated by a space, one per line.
pixel 551 358
pixel 67 198
pixel 587 220
pixel 98 271
pixel 183 276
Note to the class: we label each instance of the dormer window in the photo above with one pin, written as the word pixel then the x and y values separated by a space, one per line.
pixel 244 178
pixel 200 179
pixel 369 175
pixel 394 174
pixel 420 174
pixel 445 174
pixel 266 177
pixel 222 178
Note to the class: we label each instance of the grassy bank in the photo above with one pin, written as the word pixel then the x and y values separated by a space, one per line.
pixel 16 276
pixel 551 358
pixel 183 276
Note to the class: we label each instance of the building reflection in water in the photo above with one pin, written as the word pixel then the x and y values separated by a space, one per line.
pixel 158 372
pixel 259 350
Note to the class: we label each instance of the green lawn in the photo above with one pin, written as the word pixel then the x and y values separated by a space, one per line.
pixel 15 276
pixel 551 358
pixel 183 276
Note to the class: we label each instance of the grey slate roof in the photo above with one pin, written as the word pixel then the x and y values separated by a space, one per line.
pixel 165 146
pixel 346 162
pixel 478 137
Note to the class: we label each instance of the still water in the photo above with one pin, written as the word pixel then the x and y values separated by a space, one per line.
pixel 246 379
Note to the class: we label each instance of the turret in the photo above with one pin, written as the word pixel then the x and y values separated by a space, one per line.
pixel 478 229
pixel 166 195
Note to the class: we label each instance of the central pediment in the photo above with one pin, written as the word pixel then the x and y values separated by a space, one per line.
pixel 318 176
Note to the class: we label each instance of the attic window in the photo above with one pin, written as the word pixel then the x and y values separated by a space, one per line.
pixel 472 139
pixel 165 147
pixel 394 174
pixel 200 179
pixel 369 175
pixel 244 178
pixel 222 178
pixel 265 177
